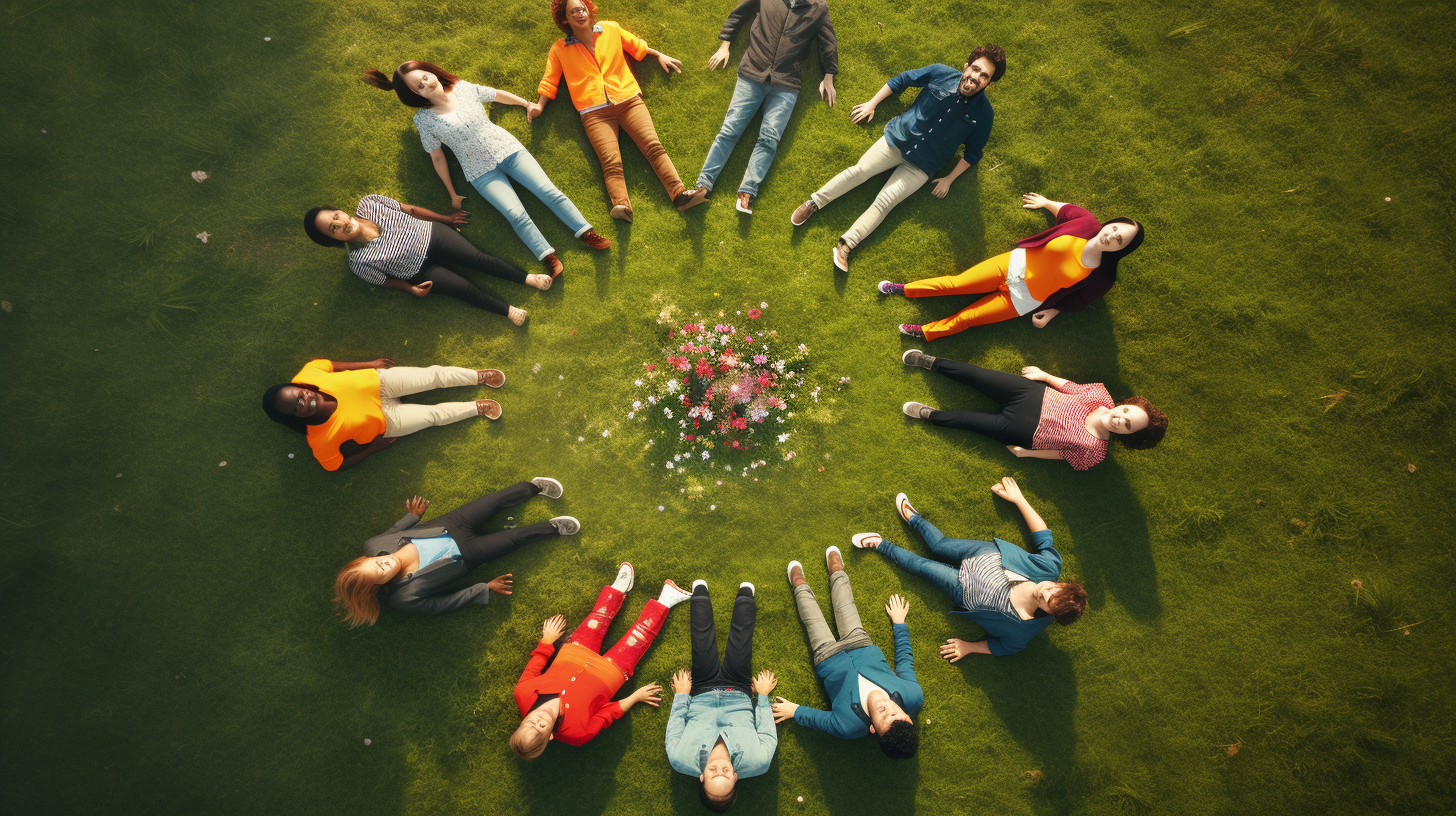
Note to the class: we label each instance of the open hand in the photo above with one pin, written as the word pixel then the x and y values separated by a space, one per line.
pixel 941 187
pixel 720 57
pixel 682 682
pixel 1007 489
pixel 1033 373
pixel 416 505
pixel 422 289
pixel 382 362
pixel 650 694
pixel 764 682
pixel 783 709
pixel 826 89
pixel 501 584
pixel 954 649
pixel 1034 201
pixel 553 628
pixel 897 609
pixel 669 65
pixel 459 218
pixel 861 113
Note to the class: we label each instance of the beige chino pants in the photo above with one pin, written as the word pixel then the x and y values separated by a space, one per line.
pixel 906 179
pixel 402 419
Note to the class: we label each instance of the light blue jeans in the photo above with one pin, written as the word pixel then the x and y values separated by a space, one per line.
pixel 496 188
pixel 778 105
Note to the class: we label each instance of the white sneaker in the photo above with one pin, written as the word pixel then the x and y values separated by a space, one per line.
pixel 916 410
pixel 863 540
pixel 550 488
pixel 790 570
pixel 699 583
pixel 750 587
pixel 566 525
pixel 672 594
pixel 832 550
pixel 626 577
pixel 902 505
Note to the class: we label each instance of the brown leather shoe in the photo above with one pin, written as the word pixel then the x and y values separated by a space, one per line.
pixel 802 214
pixel 488 408
pixel 553 264
pixel 492 377
pixel 591 239
pixel 622 212
pixel 796 574
pixel 688 199
pixel 833 559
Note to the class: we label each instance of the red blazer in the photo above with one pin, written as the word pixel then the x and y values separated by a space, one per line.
pixel 585 682
pixel 1075 221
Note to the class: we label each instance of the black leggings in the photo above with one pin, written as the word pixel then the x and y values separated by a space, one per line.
pixel 734 671
pixel 464 523
pixel 1020 400
pixel 450 247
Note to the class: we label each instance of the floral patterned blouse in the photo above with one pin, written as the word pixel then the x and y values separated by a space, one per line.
pixel 477 142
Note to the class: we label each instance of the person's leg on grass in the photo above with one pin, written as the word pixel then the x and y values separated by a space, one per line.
pixel 985 276
pixel 637 121
pixel 526 171
pixel 478 549
pixel 998 385
pixel 846 614
pixel 401 381
pixel 475 514
pixel 451 285
pixel 601 128
pixel 404 418
pixel 450 247
pixel 879 158
pixel 747 96
pixel 593 628
pixel 943 577
pixel 778 106
pixel 738 657
pixel 704 636
pixel 639 637
pixel 904 180
pixel 495 187
pixel 816 628
pixel 992 308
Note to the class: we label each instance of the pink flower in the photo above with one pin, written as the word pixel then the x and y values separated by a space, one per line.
pixel 741 423
pixel 753 314
pixel 747 339
pixel 760 359
pixel 650 366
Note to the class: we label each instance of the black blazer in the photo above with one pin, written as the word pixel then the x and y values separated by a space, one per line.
pixel 419 591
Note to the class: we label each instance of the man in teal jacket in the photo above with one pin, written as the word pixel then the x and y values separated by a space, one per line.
pixel 714 731
pixel 866 696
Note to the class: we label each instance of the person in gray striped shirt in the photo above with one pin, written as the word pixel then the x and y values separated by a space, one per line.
pixel 1011 593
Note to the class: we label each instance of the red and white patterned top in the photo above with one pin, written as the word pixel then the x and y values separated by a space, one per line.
pixel 1063 425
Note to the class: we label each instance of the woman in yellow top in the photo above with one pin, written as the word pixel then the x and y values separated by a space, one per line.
pixel 592 58
pixel 349 411
pixel 1061 269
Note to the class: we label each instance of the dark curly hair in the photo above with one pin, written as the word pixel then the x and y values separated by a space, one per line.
pixel 1151 435
pixel 716 805
pixel 992 53
pixel 1068 603
pixel 901 740
pixel 310 228
pixel 378 79
pixel 558 13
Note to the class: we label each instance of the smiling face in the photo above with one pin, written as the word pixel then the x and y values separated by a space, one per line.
pixel 1126 419
pixel 299 400
pixel 577 14
pixel 883 711
pixel 338 225
pixel 425 84
pixel 976 76
pixel 1114 236
pixel 718 777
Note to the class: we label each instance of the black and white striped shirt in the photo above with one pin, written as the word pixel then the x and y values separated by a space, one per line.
pixel 984 584
pixel 399 251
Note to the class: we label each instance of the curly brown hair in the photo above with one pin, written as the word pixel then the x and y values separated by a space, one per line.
pixel 378 79
pixel 1069 603
pixel 1151 435
pixel 558 13
pixel 992 53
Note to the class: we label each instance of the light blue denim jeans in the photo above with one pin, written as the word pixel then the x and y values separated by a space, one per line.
pixel 778 105
pixel 496 188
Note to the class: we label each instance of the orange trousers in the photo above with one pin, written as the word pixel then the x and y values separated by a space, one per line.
pixel 602 127
pixel 987 276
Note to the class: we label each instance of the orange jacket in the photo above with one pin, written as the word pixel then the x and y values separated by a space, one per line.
pixel 359 416
pixel 594 81
pixel 583 679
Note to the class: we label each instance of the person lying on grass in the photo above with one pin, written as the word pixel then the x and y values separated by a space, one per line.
pixel 714 731
pixel 951 111
pixel 592 58
pixel 1041 416
pixel 409 567
pixel 1009 592
pixel 401 246
pixel 351 411
pixel 572 699
pixel 1060 269
pixel 865 695
pixel 452 113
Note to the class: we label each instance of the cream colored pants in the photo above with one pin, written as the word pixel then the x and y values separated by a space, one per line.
pixel 906 179
pixel 401 419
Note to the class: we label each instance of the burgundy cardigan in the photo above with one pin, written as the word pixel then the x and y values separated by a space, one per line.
pixel 1077 222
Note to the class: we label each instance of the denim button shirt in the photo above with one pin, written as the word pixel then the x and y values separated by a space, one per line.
pixel 927 134
pixel 695 724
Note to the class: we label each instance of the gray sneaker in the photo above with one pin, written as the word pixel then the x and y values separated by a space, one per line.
pixel 916 357
pixel 550 488
pixel 916 410
pixel 566 525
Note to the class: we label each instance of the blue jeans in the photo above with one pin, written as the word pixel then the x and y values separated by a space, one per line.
pixel 778 105
pixel 942 576
pixel 521 166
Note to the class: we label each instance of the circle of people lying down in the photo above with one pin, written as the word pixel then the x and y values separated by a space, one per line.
pixel 722 724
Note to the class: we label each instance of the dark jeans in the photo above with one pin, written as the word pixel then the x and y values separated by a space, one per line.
pixel 1020 400
pixel 944 571
pixel 735 671
pixel 464 523
pixel 450 247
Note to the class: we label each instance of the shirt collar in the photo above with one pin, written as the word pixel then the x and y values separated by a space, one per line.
pixel 572 40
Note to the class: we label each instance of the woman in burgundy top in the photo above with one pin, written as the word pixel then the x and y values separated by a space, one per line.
pixel 1041 416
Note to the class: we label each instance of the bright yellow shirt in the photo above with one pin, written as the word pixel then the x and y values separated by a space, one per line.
pixel 359 415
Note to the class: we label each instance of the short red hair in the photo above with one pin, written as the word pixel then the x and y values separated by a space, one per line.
pixel 355 595
pixel 558 13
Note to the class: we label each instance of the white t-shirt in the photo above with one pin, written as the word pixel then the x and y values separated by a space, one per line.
pixel 477 142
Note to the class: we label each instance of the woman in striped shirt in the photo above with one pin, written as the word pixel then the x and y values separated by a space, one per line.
pixel 1041 416
pixel 1009 592
pixel 401 246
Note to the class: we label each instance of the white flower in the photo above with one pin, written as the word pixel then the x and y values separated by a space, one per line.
pixel 560 376
pixel 203 236
pixel 581 439
pixel 606 434
pixel 200 176
pixel 713 506
pixel 660 508
pixel 677 458
pixel 651 399
pixel 705 456
pixel 636 404
pixel 783 437
pixel 763 305
pixel 669 466
pixel 631 414
pixel 637 383
pixel 536 369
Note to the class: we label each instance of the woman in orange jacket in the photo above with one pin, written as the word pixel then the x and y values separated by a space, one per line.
pixel 592 57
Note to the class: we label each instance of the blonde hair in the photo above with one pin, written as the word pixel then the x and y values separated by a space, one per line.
pixel 355 595
pixel 528 744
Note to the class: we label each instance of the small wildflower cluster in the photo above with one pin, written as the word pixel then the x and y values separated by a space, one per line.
pixel 718 389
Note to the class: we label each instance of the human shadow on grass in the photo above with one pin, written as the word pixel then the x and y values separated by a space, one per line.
pixel 855 776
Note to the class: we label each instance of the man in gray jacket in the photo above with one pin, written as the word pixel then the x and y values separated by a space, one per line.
pixel 768 77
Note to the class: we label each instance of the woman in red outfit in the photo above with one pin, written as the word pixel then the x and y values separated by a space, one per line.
pixel 1060 269
pixel 572 700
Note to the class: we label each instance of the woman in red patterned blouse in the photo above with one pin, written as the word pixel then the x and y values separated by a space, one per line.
pixel 1041 416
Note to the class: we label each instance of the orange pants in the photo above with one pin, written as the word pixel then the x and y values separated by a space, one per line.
pixel 602 126
pixel 986 276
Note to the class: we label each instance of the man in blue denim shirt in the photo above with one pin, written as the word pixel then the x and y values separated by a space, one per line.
pixel 714 732
pixel 951 110
pixel 768 77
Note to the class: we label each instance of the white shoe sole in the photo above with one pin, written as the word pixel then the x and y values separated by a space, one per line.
pixel 834 255
pixel 790 570
pixel 903 501
pixel 861 540
pixel 553 488
pixel 835 550
pixel 631 575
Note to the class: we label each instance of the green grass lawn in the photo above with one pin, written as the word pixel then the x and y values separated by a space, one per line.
pixel 169 644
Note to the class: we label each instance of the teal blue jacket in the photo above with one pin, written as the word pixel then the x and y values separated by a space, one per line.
pixel 695 724
pixel 847 718
pixel 1009 634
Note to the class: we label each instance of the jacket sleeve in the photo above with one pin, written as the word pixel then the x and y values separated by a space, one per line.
pixel 975 144
pixel 1071 212
pixel 409 520
pixel 1043 554
pixel 632 45
pixel 824 721
pixel 737 17
pixel 1081 294
pixel 552 78
pixel 828 46
pixel 539 657
pixel 904 656
pixel 768 732
pixel 919 78
pixel 435 604
pixel 677 723
pixel 603 717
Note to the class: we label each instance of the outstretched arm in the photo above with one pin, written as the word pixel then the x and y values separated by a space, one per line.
pixel 954 649
pixel 442 169
pixel 1037 201
pixel 1033 453
pixel 455 219
pixel 1010 491
pixel 865 111
pixel 1037 375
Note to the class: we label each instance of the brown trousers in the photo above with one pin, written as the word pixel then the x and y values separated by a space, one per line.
pixel 602 126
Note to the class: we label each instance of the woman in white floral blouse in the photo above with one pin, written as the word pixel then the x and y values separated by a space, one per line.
pixel 453 113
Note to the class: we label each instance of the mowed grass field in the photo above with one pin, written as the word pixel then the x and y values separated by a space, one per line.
pixel 168 642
